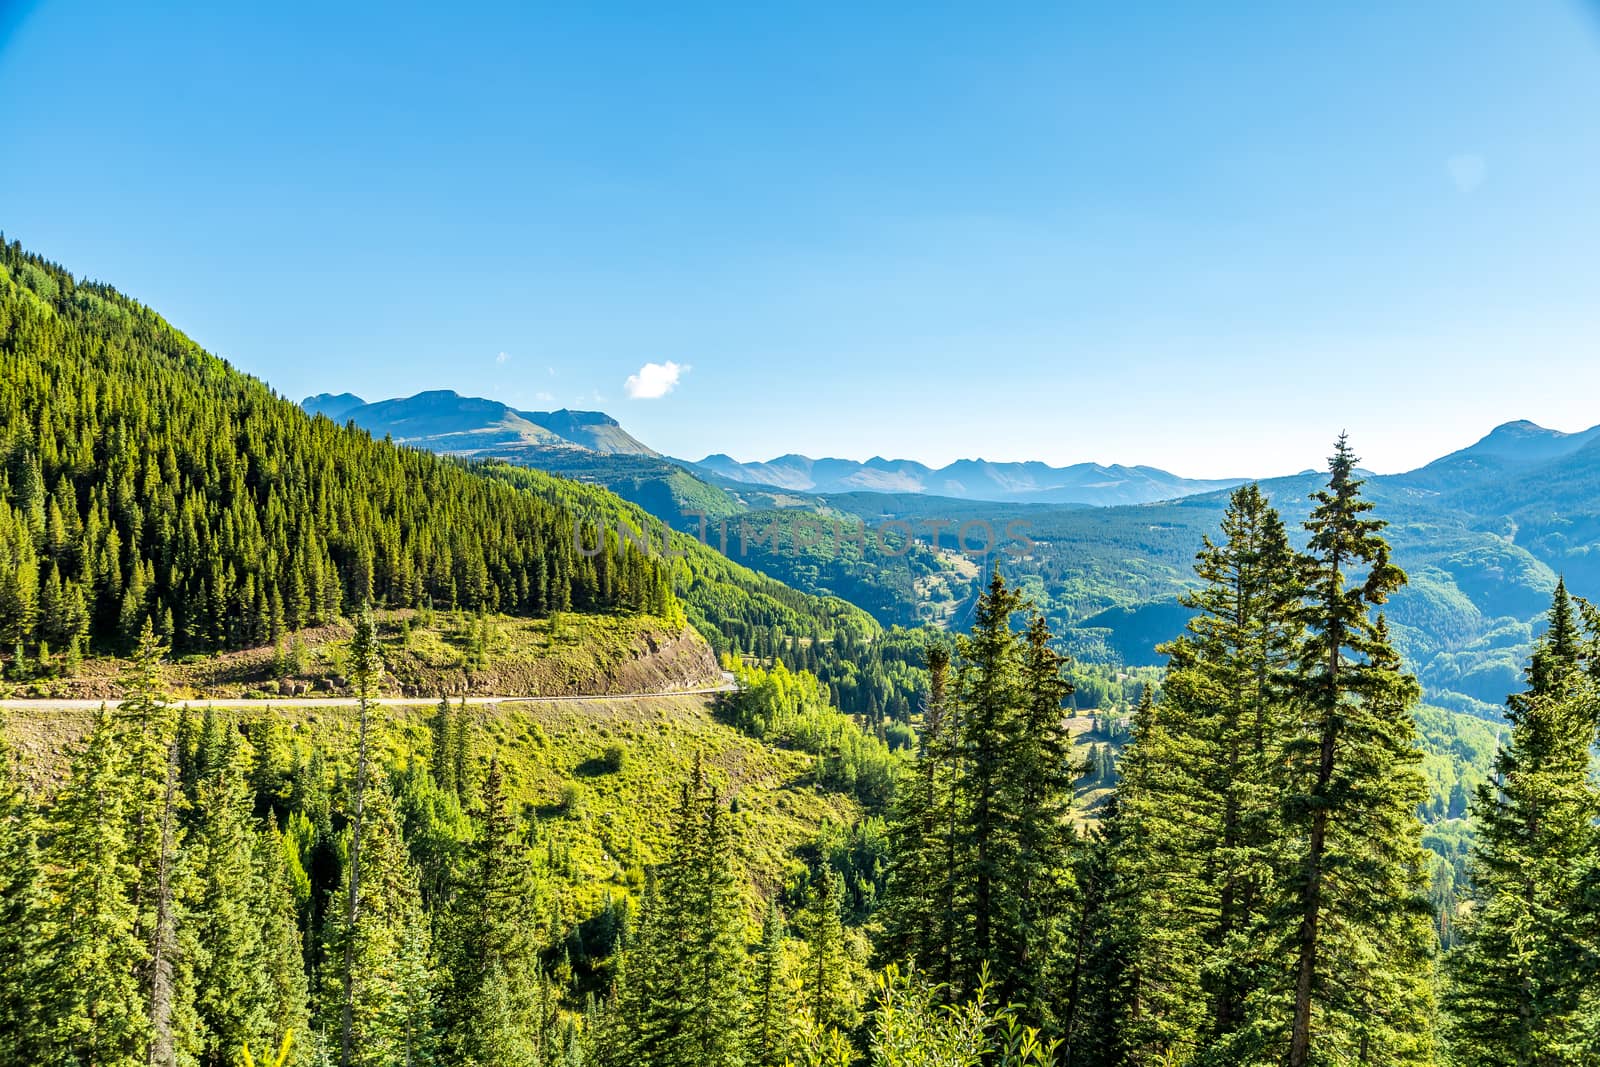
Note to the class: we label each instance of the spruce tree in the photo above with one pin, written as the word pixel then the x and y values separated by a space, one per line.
pixel 22 915
pixel 718 945
pixel 988 694
pixel 383 997
pixel 919 911
pixel 231 995
pixel 681 987
pixel 769 999
pixel 981 880
pixel 1198 799
pixel 94 1002
pixel 488 1007
pixel 1228 682
pixel 1353 956
pixel 281 963
pixel 1523 983
pixel 366 667
pixel 1039 793
pixel 1151 949
pixel 148 736
pixel 825 976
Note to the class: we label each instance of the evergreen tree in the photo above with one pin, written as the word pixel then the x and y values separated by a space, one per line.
pixel 1523 984
pixel 148 736
pixel 919 912
pixel 1150 950
pixel 384 992
pixel 1039 792
pixel 1350 972
pixel 489 1005
pixel 769 1001
pixel 1197 804
pixel 988 693
pixel 22 913
pixel 281 964
pixel 825 989
pixel 94 1003
pixel 681 988
pixel 366 667
pixel 981 877
pixel 231 996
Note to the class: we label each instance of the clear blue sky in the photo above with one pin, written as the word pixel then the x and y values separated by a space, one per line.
pixel 1201 236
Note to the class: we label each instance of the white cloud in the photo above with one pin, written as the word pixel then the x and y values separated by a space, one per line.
pixel 544 398
pixel 502 357
pixel 655 380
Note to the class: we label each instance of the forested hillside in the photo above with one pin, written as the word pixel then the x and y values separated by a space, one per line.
pixel 143 478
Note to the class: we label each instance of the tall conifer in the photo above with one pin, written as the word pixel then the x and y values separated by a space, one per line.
pixel 1523 983
pixel 1354 956
pixel 22 914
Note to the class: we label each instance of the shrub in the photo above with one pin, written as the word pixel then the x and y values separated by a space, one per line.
pixel 571 803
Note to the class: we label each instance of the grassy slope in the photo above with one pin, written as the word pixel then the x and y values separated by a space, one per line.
pixel 438 652
pixel 619 820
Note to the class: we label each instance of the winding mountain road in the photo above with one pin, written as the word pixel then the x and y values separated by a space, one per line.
pixel 263 703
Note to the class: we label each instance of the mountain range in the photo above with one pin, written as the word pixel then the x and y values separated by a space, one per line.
pixel 1483 532
pixel 967 479
pixel 444 421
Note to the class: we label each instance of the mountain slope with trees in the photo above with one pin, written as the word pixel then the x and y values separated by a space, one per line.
pixel 146 479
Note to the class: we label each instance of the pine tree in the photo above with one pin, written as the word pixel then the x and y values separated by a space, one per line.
pixel 1354 920
pixel 489 1004
pixel 1523 984
pixel 1148 992
pixel 681 987
pixel 96 1010
pixel 366 667
pixel 718 945
pixel 919 912
pixel 444 742
pixel 825 988
pixel 1228 680
pixel 1197 805
pixel 384 991
pixel 148 736
pixel 281 964
pixel 988 694
pixel 231 995
pixel 1039 791
pixel 22 914
pixel 981 876
pixel 769 1001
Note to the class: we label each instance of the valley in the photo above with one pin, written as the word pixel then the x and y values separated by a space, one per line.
pixel 523 657
pixel 1483 533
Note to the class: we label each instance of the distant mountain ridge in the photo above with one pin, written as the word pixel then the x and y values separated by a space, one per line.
pixel 443 420
pixel 968 479
pixel 333 405
pixel 1508 448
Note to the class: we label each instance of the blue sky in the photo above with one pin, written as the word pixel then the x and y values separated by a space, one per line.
pixel 1204 237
